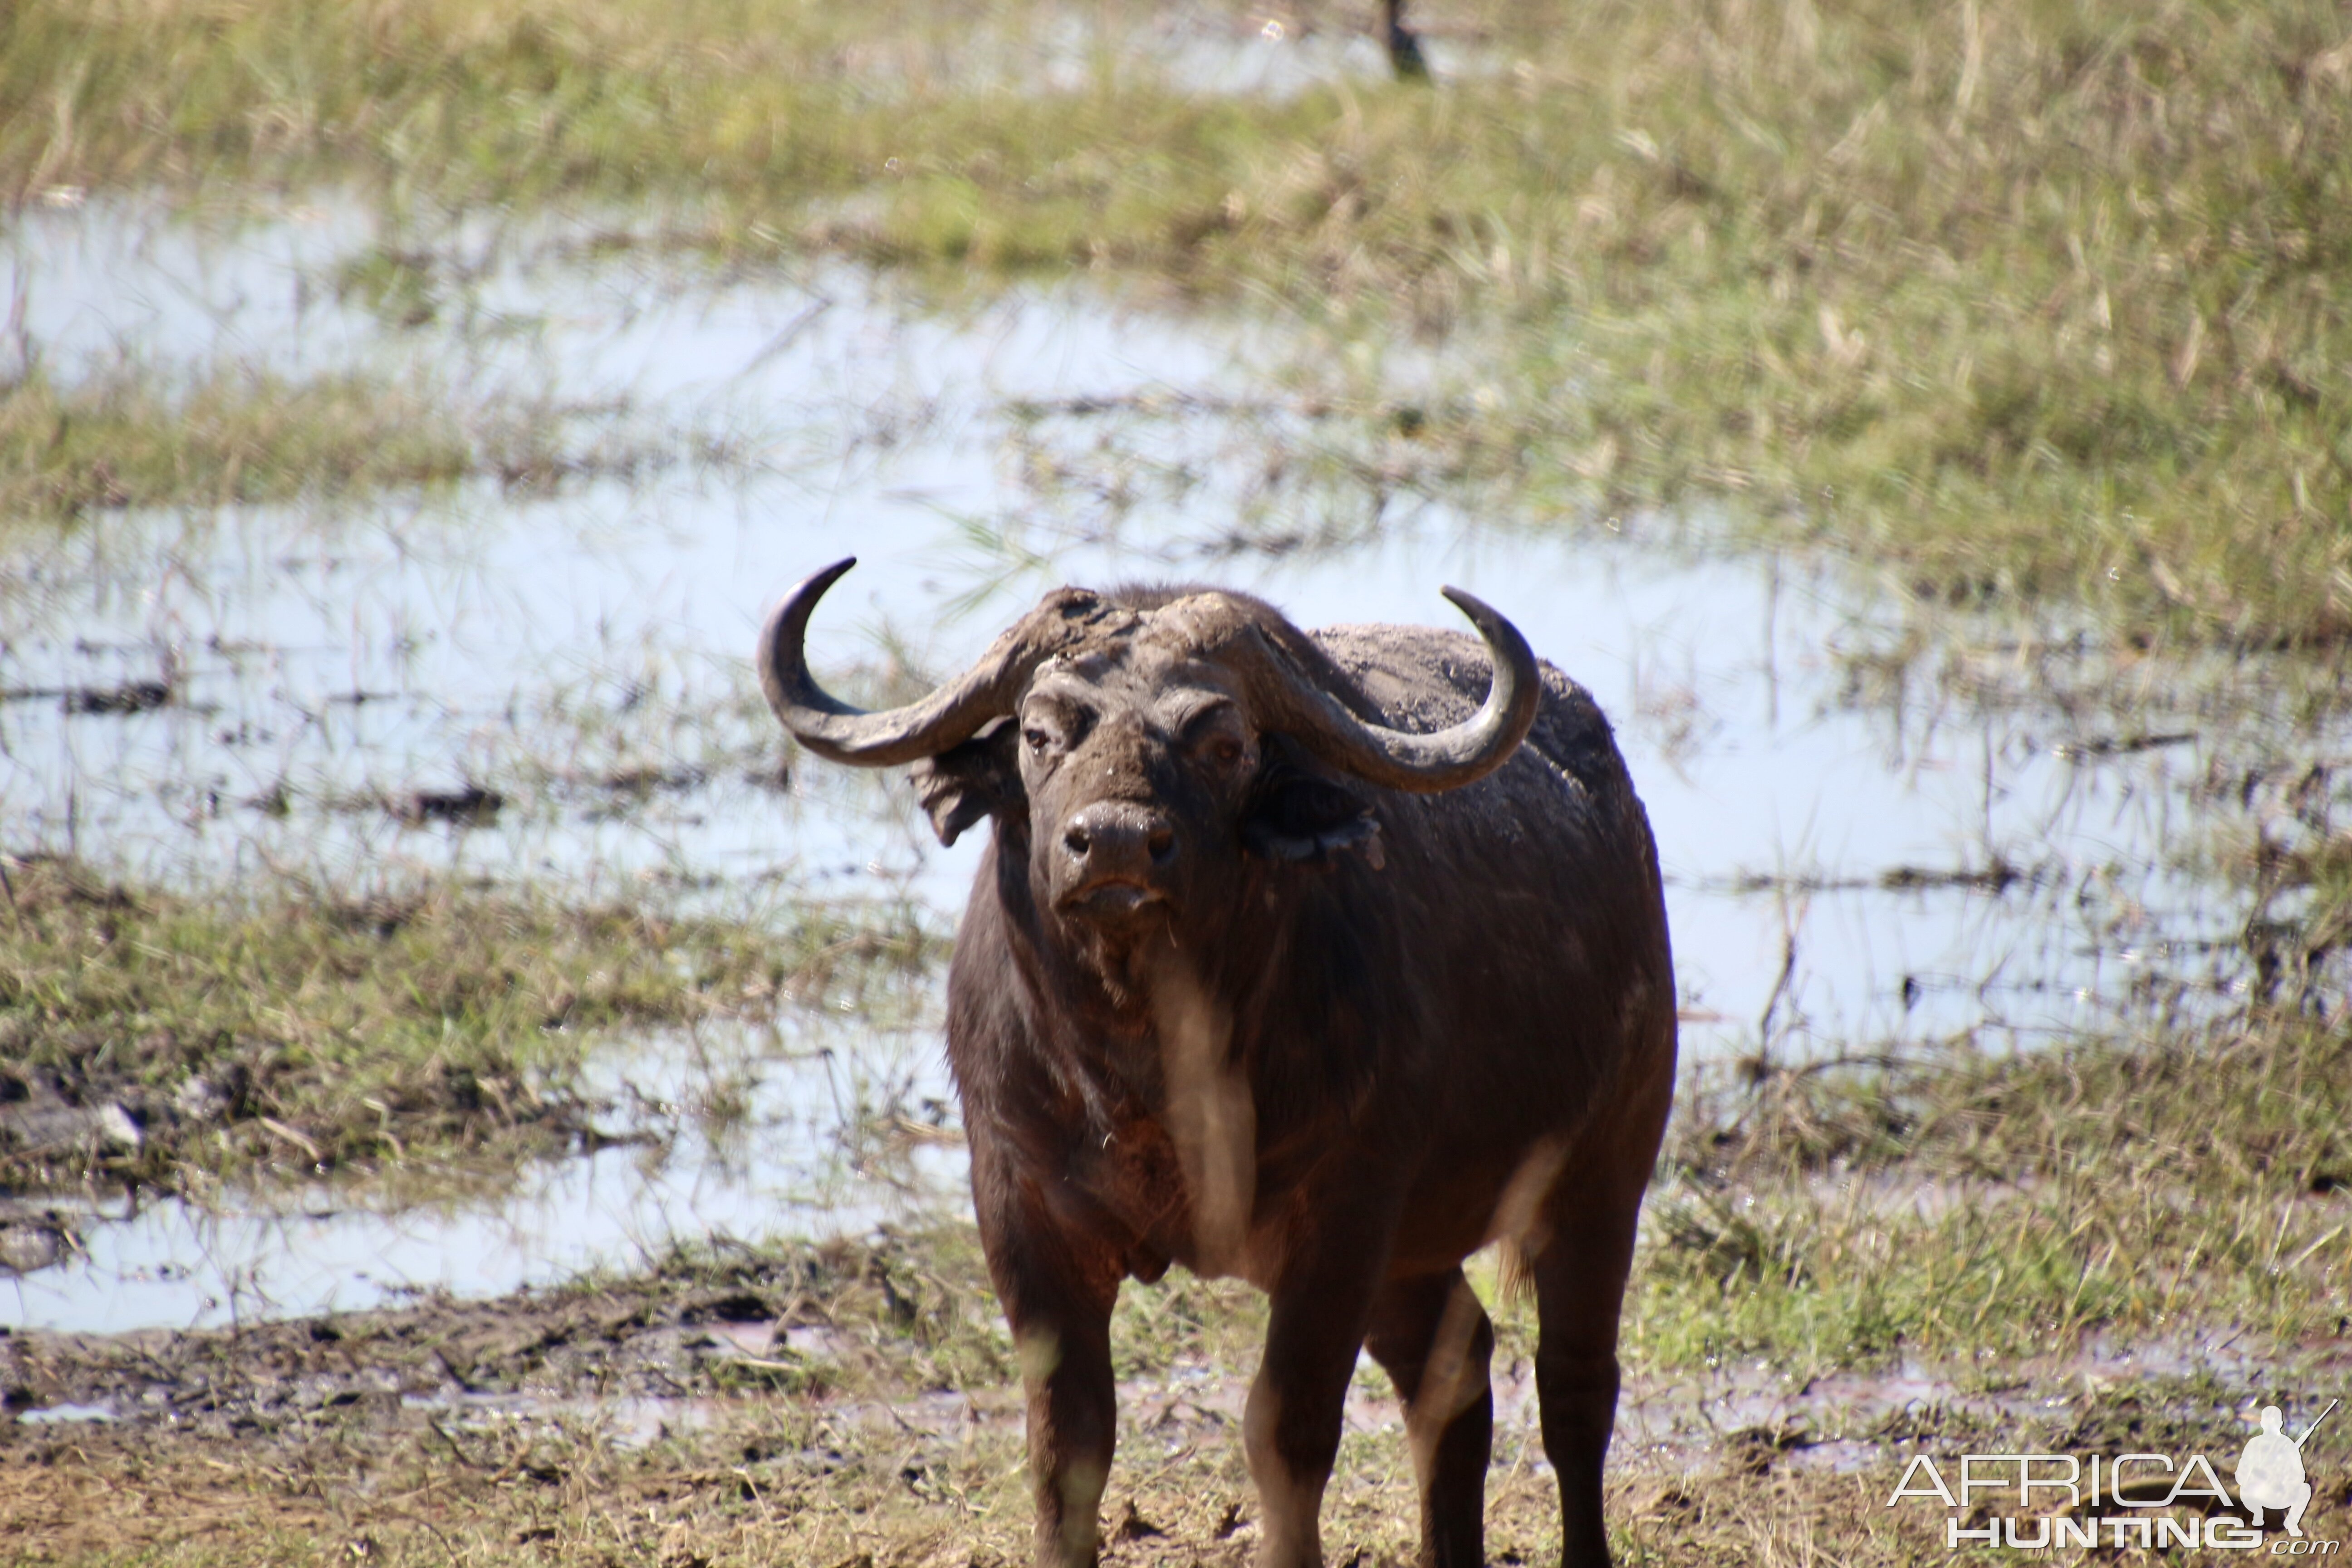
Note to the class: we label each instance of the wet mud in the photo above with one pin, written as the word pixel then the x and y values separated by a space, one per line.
pixel 719 1323
pixel 726 1394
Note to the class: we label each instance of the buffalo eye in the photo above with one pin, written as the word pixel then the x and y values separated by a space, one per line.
pixel 1212 734
pixel 1051 726
pixel 1046 732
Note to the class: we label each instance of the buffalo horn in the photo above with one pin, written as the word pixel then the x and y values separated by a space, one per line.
pixel 1421 764
pixel 832 728
pixel 1395 759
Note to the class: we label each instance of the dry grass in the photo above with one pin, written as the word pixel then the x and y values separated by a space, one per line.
pixel 487 1500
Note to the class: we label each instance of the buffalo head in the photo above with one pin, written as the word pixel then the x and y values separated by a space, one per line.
pixel 1135 757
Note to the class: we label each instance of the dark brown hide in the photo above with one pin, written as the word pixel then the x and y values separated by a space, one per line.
pixel 1214 1002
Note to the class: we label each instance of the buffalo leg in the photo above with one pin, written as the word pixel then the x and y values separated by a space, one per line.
pixel 1065 1370
pixel 1073 1424
pixel 1315 1329
pixel 1579 1278
pixel 1059 1303
pixel 1435 1341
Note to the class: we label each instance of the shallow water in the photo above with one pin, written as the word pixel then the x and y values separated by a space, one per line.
pixel 1879 826
pixel 839 1130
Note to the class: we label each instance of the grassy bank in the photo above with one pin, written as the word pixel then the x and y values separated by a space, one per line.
pixel 150 1037
pixel 1995 1209
pixel 2018 298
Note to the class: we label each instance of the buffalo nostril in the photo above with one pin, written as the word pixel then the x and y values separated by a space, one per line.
pixel 1162 845
pixel 1075 841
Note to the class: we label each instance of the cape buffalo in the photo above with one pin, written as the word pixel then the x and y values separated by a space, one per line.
pixel 1293 959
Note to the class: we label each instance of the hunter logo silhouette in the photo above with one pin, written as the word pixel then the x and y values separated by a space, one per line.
pixel 2270 1472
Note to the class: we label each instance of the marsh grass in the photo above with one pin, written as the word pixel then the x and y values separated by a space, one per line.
pixel 2014 299
pixel 1990 1208
pixel 127 441
pixel 310 1029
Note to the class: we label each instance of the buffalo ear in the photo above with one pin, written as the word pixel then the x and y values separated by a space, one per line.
pixel 981 778
pixel 1300 815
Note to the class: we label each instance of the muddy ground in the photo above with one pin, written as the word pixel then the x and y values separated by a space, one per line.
pixel 855 1403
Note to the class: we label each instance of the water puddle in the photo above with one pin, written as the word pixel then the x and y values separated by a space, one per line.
pixel 65 1415
pixel 826 1126
pixel 1880 825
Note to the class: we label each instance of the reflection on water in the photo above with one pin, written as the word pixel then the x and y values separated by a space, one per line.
pixel 1981 831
